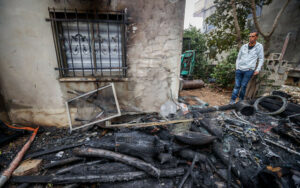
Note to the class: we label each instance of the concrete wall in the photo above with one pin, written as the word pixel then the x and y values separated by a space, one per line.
pixel 288 22
pixel 34 95
pixel 3 111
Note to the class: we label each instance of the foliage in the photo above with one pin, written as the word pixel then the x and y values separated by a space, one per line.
pixel 223 37
pixel 198 43
pixel 224 72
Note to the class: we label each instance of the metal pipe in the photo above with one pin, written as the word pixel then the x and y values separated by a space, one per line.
pixel 79 42
pixel 89 42
pixel 192 84
pixel 99 43
pixel 14 164
pixel 125 39
pixel 60 62
pixel 243 107
pixel 84 20
pixel 90 68
pixel 93 49
pixel 69 41
pixel 55 42
pixel 118 31
pixel 286 42
pixel 108 40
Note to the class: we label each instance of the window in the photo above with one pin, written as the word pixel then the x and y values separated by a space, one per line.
pixel 89 43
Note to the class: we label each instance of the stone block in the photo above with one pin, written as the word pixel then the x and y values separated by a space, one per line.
pixel 274 56
pixel 28 167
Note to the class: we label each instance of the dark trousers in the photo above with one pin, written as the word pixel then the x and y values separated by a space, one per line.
pixel 241 81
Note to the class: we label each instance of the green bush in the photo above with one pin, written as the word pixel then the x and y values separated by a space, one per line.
pixel 224 72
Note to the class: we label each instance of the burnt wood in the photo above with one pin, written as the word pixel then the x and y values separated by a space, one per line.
pixel 132 161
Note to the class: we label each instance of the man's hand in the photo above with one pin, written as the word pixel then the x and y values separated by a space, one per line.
pixel 255 73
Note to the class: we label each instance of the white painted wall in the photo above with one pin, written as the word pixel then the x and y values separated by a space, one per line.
pixel 30 84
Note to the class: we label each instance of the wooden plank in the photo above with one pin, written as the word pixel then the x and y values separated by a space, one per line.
pixel 150 124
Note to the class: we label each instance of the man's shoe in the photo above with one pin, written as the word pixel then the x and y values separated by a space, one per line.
pixel 232 102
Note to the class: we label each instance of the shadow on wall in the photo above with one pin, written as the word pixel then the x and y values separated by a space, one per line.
pixel 3 111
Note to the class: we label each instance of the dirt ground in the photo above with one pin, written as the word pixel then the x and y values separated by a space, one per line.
pixel 213 96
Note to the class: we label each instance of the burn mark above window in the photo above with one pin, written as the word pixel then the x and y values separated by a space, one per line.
pixel 89 43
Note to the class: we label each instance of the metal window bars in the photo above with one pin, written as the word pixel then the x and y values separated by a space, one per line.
pixel 89 43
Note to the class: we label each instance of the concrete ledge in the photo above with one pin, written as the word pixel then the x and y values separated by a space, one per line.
pixel 92 79
pixel 42 117
pixel 294 73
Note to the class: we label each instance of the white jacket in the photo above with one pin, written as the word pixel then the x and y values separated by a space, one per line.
pixel 247 58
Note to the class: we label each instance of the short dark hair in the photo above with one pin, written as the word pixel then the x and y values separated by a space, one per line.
pixel 254 31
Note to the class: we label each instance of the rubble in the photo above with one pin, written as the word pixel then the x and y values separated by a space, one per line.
pixel 293 91
pixel 28 167
pixel 197 149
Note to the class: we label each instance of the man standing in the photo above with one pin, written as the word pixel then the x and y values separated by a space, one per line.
pixel 245 65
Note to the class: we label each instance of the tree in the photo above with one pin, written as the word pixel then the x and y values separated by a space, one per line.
pixel 229 20
pixel 197 43
pixel 236 24
pixel 267 36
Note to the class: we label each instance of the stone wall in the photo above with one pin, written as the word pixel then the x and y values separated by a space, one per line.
pixel 288 22
pixel 34 95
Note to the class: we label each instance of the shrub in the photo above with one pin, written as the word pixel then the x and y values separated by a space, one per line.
pixel 224 72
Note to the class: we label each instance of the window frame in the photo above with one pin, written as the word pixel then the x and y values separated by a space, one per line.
pixel 92 19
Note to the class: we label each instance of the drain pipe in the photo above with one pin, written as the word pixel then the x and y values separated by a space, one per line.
pixel 15 163
pixel 244 107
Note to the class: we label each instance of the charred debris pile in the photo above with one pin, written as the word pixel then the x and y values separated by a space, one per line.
pixel 249 144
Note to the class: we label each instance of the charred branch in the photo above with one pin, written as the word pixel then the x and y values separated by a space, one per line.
pixel 190 154
pixel 92 152
pixel 144 183
pixel 242 107
pixel 72 167
pixel 189 171
pixel 124 176
pixel 138 144
pixel 102 168
pixel 63 162
pixel 210 127
pixel 194 138
pixel 236 24
pixel 53 150
pixel 166 157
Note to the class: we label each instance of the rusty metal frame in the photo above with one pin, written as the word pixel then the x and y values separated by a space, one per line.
pixel 97 121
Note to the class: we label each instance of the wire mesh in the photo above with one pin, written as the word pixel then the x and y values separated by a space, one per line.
pixel 92 107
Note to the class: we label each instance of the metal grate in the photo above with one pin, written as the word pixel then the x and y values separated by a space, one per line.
pixel 89 43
